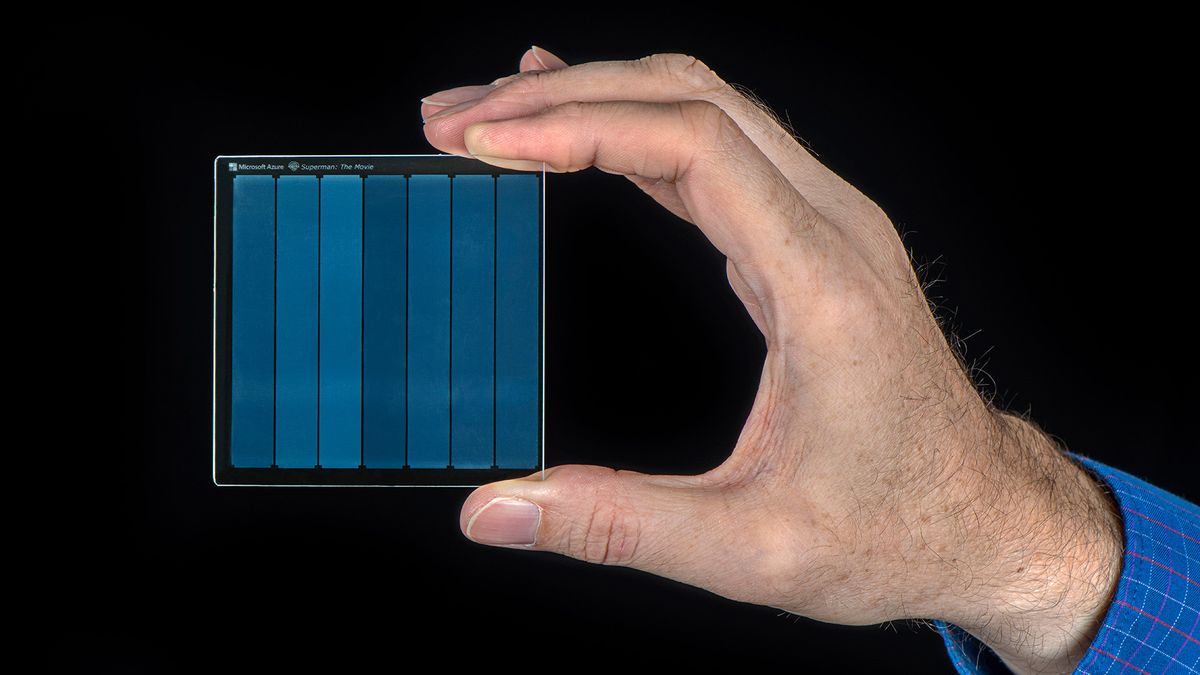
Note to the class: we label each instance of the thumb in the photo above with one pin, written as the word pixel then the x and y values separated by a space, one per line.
pixel 597 515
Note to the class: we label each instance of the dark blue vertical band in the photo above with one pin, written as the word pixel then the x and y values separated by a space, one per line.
pixel 340 430
pixel 251 324
pixel 517 303
pixel 429 321
pixel 385 230
pixel 471 333
pixel 296 322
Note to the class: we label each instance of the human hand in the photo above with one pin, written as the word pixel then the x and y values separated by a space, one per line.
pixel 871 482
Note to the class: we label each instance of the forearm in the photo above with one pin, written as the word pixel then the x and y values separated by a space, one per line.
pixel 1056 546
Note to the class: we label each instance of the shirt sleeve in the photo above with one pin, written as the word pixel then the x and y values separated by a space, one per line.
pixel 1150 627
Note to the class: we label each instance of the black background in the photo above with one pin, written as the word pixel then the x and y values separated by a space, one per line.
pixel 1034 159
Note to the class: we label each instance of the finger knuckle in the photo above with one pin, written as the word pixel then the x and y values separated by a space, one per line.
pixel 574 109
pixel 610 535
pixel 805 221
pixel 853 302
pixel 773 559
pixel 686 70
pixel 711 125
pixel 530 84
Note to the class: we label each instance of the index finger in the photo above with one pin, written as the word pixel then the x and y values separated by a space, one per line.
pixel 659 78
pixel 737 197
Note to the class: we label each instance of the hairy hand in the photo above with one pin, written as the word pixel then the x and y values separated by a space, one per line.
pixel 871 481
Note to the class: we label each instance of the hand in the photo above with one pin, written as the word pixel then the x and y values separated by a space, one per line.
pixel 871 481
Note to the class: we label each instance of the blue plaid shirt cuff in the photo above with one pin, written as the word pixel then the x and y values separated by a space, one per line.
pixel 1150 627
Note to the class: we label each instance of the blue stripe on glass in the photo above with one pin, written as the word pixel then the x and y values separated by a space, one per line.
pixel 296 322
pixel 340 351
pixel 253 349
pixel 429 321
pixel 471 347
pixel 517 306
pixel 385 231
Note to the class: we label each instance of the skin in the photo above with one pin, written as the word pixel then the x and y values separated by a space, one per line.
pixel 871 481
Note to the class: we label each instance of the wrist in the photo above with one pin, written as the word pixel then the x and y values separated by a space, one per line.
pixel 1051 554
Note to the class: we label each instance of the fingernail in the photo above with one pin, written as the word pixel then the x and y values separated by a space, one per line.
pixel 548 59
pixel 538 57
pixel 453 110
pixel 505 520
pixel 457 95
